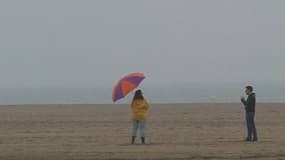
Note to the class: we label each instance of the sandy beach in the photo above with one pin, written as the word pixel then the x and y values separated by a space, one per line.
pixel 174 131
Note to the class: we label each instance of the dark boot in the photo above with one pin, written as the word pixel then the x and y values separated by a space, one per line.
pixel 133 139
pixel 247 139
pixel 143 140
pixel 254 139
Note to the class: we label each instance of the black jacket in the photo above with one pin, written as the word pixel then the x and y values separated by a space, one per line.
pixel 250 103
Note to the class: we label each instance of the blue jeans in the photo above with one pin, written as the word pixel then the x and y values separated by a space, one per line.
pixel 251 130
pixel 138 124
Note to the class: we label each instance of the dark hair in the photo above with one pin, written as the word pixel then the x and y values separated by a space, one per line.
pixel 138 95
pixel 250 88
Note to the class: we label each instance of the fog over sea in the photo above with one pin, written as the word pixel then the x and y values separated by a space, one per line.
pixel 175 93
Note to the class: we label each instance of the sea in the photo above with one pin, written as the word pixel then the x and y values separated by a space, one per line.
pixel 173 93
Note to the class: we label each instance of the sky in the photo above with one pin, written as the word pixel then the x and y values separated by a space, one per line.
pixel 87 42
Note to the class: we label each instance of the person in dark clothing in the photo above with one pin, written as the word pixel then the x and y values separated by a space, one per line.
pixel 250 113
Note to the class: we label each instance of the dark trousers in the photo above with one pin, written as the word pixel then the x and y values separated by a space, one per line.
pixel 251 130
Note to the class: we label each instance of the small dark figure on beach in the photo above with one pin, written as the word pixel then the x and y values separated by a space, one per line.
pixel 250 113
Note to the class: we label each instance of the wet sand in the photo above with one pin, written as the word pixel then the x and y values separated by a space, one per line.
pixel 174 131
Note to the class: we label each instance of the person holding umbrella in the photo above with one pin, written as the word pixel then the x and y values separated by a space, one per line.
pixel 139 105
pixel 139 109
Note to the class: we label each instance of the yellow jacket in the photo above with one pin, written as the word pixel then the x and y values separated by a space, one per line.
pixel 139 108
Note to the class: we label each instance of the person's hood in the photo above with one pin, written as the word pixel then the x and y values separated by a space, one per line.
pixel 138 101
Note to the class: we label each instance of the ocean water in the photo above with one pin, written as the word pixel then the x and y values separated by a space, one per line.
pixel 153 93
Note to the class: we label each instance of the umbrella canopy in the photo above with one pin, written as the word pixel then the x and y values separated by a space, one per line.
pixel 126 85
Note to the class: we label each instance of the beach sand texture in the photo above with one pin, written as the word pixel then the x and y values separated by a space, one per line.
pixel 174 131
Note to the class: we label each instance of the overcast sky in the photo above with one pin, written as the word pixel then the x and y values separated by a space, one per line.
pixel 92 42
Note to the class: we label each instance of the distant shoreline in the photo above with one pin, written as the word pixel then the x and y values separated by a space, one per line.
pixel 122 104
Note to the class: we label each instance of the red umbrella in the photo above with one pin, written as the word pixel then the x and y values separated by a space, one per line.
pixel 126 85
